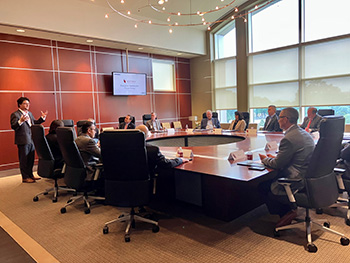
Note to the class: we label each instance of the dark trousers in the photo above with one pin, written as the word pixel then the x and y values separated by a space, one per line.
pixel 276 204
pixel 26 159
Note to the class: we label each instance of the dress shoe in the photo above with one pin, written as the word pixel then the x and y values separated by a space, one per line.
pixel 28 180
pixel 287 218
pixel 36 178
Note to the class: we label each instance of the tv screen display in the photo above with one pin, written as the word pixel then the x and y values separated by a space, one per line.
pixel 129 83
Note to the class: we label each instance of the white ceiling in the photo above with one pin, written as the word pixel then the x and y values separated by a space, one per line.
pixel 78 20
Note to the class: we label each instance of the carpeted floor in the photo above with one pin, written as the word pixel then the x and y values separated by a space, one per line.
pixel 185 234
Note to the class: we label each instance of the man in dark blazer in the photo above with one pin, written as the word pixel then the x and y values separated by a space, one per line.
pixel 271 122
pixel 209 122
pixel 312 122
pixel 292 160
pixel 153 124
pixel 127 124
pixel 21 121
pixel 89 149
pixel 155 158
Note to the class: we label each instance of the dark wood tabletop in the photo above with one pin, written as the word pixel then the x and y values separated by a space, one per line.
pixel 213 159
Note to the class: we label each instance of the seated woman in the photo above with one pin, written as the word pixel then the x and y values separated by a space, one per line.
pixel 51 138
pixel 239 123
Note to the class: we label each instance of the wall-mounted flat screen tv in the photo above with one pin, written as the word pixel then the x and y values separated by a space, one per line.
pixel 126 83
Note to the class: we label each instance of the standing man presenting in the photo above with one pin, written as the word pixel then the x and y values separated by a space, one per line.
pixel 21 121
pixel 271 122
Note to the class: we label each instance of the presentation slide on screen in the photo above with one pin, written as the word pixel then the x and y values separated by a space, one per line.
pixel 129 84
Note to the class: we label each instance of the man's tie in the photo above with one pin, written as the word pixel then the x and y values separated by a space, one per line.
pixel 308 125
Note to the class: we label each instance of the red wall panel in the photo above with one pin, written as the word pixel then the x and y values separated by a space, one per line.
pixel 25 56
pixel 16 79
pixel 76 82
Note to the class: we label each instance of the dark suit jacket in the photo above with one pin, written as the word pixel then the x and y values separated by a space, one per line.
pixel 157 160
pixel 89 151
pixel 293 156
pixel 130 125
pixel 273 125
pixel 315 123
pixel 23 133
pixel 216 123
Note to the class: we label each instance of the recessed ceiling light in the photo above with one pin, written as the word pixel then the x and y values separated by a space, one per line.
pixel 179 54
pixel 140 48
pixel 20 30
pixel 89 41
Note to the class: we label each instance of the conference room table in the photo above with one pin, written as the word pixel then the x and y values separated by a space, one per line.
pixel 221 187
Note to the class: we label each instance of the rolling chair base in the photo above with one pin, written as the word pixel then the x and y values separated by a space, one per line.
pixel 85 198
pixel 55 191
pixel 130 218
pixel 311 247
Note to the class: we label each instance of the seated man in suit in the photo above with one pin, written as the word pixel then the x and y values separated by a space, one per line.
pixel 271 122
pixel 153 124
pixel 312 122
pixel 97 134
pixel 127 124
pixel 155 157
pixel 209 122
pixel 293 157
pixel 51 138
pixel 89 149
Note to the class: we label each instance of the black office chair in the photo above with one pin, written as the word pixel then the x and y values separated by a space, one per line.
pixel 127 179
pixel 46 164
pixel 245 115
pixel 325 112
pixel 145 118
pixel 68 123
pixel 214 115
pixel 79 125
pixel 320 184
pixel 75 172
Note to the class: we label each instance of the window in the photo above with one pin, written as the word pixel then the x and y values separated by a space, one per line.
pixel 274 26
pixel 326 19
pixel 163 75
pixel 225 41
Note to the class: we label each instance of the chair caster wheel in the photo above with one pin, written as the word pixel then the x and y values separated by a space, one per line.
pixel 347 221
pixel 155 229
pixel 276 233
pixel 63 210
pixel 87 211
pixel 46 193
pixel 54 200
pixel 127 238
pixel 344 241
pixel 327 224
pixel 319 211
pixel 105 230
pixel 311 248
pixel 35 199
